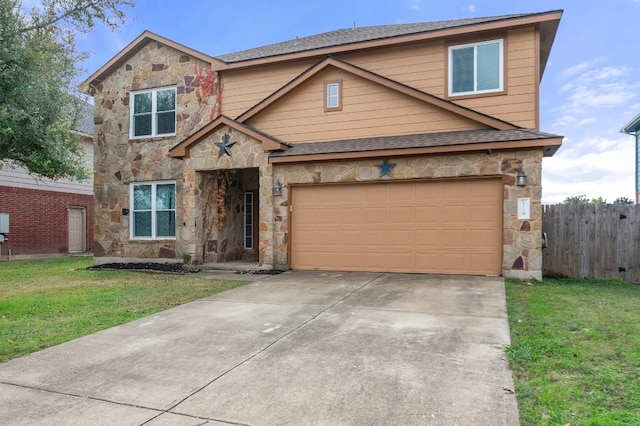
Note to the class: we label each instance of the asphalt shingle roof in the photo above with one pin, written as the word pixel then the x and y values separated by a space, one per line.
pixel 423 140
pixel 354 35
pixel 85 121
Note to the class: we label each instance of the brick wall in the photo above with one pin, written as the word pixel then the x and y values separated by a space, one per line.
pixel 39 220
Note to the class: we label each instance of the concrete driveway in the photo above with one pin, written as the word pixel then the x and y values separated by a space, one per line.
pixel 297 348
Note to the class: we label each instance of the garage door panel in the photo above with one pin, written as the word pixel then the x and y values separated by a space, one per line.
pixel 483 239
pixel 448 226
pixel 375 215
pixel 401 238
pixel 402 214
pixel 455 213
pixel 351 215
pixel 327 216
pixel 351 237
pixel 327 237
pixel 452 262
pixel 484 212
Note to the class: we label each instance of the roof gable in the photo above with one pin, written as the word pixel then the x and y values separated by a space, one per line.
pixel 134 47
pixel 268 143
pixel 376 79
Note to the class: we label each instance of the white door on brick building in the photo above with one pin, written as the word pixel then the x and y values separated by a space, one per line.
pixel 77 230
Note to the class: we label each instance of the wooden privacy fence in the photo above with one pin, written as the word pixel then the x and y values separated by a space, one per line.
pixel 592 241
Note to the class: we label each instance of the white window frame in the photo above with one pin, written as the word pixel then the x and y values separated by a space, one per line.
pixel 337 97
pixel 154 112
pixel 475 68
pixel 153 210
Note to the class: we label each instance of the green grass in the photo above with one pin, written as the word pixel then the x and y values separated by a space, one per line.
pixel 49 301
pixel 575 351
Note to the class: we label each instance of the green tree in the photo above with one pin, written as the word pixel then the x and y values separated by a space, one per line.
pixel 39 106
pixel 576 199
pixel 623 200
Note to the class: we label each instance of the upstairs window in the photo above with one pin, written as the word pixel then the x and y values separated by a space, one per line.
pixel 476 68
pixel 154 210
pixel 153 113
pixel 333 96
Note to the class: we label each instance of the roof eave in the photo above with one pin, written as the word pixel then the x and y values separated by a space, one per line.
pixel 548 30
pixel 631 128
pixel 549 146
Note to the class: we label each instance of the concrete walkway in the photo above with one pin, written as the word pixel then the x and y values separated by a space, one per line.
pixel 296 348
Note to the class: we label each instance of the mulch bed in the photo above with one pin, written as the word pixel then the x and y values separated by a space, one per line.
pixel 173 268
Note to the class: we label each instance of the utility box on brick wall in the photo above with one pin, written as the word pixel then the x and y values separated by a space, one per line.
pixel 4 223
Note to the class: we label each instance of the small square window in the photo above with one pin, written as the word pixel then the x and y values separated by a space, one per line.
pixel 476 68
pixel 153 113
pixel 333 96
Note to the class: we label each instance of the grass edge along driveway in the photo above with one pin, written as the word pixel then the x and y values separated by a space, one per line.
pixel 46 302
pixel 575 351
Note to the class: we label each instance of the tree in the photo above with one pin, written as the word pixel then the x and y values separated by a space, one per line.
pixel 582 199
pixel 623 200
pixel 576 199
pixel 39 106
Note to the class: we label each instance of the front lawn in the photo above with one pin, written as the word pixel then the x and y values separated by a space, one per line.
pixel 575 351
pixel 49 301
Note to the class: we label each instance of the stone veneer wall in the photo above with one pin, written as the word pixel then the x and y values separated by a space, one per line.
pixel 203 157
pixel 118 161
pixel 522 253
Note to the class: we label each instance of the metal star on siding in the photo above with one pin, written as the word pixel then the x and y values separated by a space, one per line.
pixel 386 168
pixel 225 146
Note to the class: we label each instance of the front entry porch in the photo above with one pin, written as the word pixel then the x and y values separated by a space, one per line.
pixel 230 216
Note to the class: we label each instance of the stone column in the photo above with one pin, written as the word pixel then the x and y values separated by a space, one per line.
pixel 266 232
pixel 190 216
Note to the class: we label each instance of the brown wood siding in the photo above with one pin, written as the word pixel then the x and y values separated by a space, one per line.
pixel 519 104
pixel 419 65
pixel 368 110
pixel 242 89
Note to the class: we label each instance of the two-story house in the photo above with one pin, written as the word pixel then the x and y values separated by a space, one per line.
pixel 406 148
pixel 48 217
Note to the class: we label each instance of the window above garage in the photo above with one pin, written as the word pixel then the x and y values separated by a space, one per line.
pixel 476 68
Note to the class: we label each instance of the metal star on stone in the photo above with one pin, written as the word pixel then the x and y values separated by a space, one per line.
pixel 386 168
pixel 225 146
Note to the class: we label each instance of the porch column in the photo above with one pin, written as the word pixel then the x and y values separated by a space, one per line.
pixel 190 216
pixel 266 232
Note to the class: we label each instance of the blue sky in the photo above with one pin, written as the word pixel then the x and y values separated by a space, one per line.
pixel 590 88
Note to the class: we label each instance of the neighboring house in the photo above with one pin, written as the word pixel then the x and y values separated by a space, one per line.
pixel 388 148
pixel 48 217
pixel 633 128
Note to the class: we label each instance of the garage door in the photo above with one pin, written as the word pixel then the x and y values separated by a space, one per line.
pixel 448 227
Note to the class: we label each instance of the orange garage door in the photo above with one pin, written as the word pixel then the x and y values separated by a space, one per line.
pixel 448 227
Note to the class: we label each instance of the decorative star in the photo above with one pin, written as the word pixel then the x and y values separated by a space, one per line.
pixel 225 146
pixel 386 168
